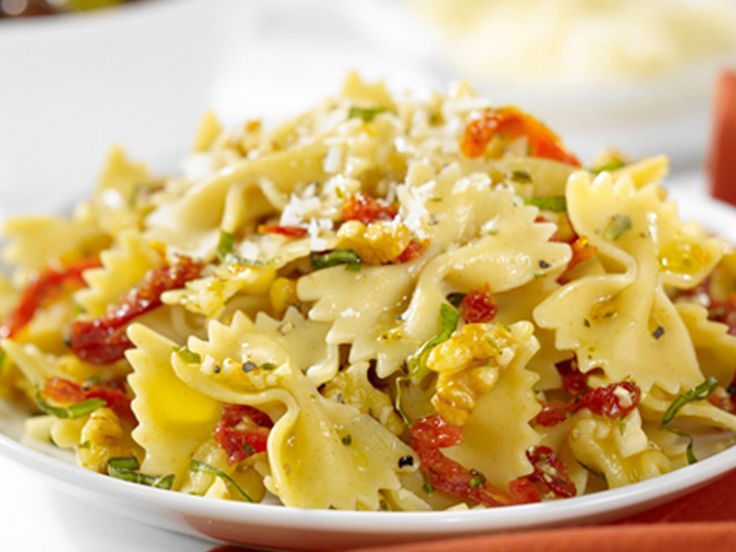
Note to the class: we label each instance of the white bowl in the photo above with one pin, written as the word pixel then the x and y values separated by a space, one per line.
pixel 73 85
pixel 280 527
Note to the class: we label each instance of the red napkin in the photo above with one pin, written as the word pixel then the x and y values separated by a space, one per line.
pixel 703 520
pixel 723 153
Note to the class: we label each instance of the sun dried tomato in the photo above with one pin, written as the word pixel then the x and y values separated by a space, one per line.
pixel 478 306
pixel 573 380
pixel 428 436
pixel 616 400
pixel 367 209
pixel 550 476
pixel 552 414
pixel 64 392
pixel 513 123
pixel 412 251
pixel 103 340
pixel 288 231
pixel 44 288
pixel 242 432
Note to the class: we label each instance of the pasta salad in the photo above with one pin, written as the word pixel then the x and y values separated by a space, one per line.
pixel 385 303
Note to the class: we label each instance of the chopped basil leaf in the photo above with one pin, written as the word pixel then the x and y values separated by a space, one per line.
pixel 337 257
pixel 427 486
pixel 268 366
pixel 367 114
pixel 699 393
pixel 619 225
pixel 556 204
pixel 127 463
pixel 198 466
pixel 591 471
pixel 71 412
pixel 397 404
pixel 455 299
pixel 691 458
pixel 225 244
pixel 187 355
pixel 611 166
pixel 521 177
pixel 126 468
pixel 448 320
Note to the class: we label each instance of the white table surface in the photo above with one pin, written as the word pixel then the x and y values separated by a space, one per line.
pixel 36 517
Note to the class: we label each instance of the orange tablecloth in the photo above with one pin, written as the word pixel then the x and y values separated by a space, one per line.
pixel 704 520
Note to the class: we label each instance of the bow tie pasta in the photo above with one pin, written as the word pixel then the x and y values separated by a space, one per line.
pixel 385 303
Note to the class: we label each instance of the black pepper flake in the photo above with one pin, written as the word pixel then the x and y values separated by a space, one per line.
pixel 544 264
pixel 218 369
pixel 347 440
pixel 407 460
pixel 249 366
pixel 586 322
pixel 658 332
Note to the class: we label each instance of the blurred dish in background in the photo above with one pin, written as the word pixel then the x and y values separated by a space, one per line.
pixel 641 70
pixel 580 41
pixel 33 8
pixel 138 74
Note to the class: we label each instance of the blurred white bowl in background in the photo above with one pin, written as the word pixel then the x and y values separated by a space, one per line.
pixel 657 110
pixel 73 85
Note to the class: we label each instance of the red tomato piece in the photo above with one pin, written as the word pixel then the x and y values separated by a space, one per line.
pixel 412 251
pixel 552 414
pixel 514 123
pixel 550 476
pixel 288 231
pixel 428 436
pixel 615 400
pixel 242 432
pixel 367 209
pixel 478 306
pixel 65 392
pixel 573 380
pixel 45 287
pixel 103 340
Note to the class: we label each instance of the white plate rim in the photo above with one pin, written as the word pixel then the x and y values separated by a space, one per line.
pixel 576 509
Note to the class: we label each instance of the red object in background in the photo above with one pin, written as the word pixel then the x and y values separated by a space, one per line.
pixel 723 155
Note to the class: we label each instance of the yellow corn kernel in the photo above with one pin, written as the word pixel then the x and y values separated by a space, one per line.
pixel 376 243
pixel 102 438
pixel 468 365
pixel 282 293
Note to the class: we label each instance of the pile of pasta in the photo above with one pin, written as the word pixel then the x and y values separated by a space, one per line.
pixel 386 303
